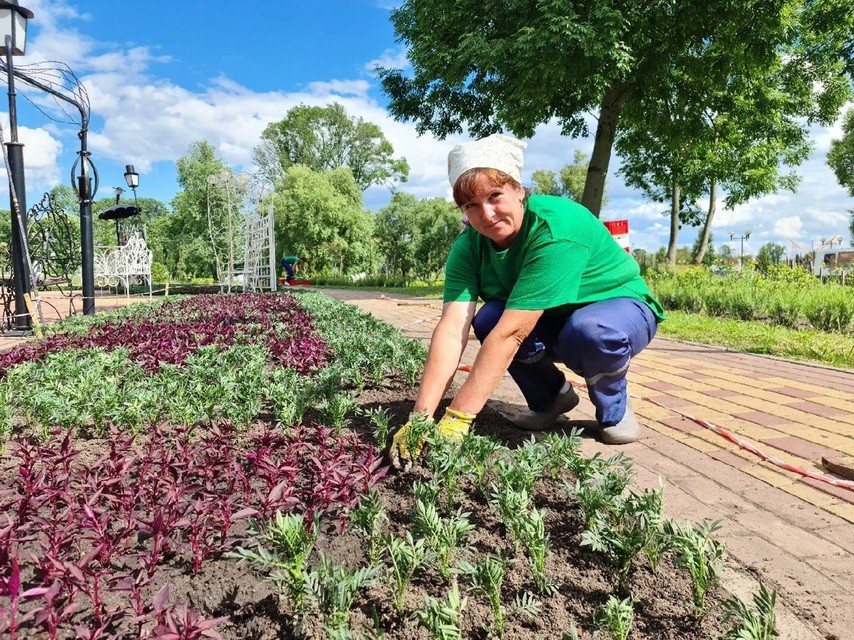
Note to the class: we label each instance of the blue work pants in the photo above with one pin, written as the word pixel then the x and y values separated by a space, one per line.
pixel 596 341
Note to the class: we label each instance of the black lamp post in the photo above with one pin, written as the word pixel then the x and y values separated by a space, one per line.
pixel 744 236
pixel 13 26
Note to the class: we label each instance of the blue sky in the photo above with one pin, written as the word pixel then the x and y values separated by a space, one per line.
pixel 163 74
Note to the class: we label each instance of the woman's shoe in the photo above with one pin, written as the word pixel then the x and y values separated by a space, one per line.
pixel 539 420
pixel 625 431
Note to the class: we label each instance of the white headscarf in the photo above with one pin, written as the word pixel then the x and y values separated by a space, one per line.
pixel 492 152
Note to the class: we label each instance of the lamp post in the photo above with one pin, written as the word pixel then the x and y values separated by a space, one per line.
pixel 132 180
pixel 744 236
pixel 13 23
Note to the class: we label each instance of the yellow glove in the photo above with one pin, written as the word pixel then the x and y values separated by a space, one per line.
pixel 454 425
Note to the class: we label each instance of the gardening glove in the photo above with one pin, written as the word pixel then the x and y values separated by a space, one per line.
pixel 454 425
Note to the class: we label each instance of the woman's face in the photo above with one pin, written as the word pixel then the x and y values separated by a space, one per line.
pixel 496 212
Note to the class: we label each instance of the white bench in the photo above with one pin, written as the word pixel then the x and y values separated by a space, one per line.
pixel 124 264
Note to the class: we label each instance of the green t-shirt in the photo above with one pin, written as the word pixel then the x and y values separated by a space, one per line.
pixel 562 259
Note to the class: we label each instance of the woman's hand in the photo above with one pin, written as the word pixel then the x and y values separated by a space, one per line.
pixel 408 443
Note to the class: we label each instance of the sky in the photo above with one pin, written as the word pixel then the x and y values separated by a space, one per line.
pixel 163 74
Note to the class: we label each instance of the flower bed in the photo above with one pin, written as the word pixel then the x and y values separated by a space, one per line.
pixel 210 468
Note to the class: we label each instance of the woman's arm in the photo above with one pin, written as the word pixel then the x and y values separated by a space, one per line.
pixel 446 348
pixel 494 357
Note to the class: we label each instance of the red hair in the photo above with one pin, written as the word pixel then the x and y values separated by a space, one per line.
pixel 475 180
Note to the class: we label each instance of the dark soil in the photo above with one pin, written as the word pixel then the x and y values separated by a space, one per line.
pixel 255 610
pixel 662 597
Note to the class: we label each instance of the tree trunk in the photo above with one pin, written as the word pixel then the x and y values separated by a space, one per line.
pixel 606 130
pixel 674 225
pixel 707 227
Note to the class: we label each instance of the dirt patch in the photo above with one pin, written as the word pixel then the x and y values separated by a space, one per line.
pixel 256 611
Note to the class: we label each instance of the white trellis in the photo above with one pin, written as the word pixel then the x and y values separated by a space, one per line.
pixel 242 236
pixel 259 266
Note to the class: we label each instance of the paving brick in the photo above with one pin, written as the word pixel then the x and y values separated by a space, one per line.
pixel 800 447
pixel 793 392
pixel 839 534
pixel 843 510
pixel 799 542
pixel 760 417
pixel 845 495
pixel 769 475
pixel 811 496
pixel 681 424
pixel 818 409
pixel 730 459
pixel 722 393
pixel 661 386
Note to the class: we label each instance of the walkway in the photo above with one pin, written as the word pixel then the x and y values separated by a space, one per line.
pixel 793 532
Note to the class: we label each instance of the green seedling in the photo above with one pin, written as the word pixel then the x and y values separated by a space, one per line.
pixel 426 492
pixel 618 467
pixel 627 527
pixel 479 453
pixel 334 588
pixel 510 503
pixel 486 576
pixel 380 419
pixel 752 623
pixel 599 488
pixel 368 519
pixel 532 533
pixel 336 408
pixel 561 451
pixel 444 536
pixel 406 555
pixel 699 554
pixel 615 618
pixel 283 546
pixel 292 394
pixel 523 467
pixel 443 619
pixel 447 464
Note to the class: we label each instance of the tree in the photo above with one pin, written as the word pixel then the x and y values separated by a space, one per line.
pixel 187 250
pixel 841 159
pixel 416 235
pixel 319 216
pixel 571 182
pixel 769 254
pixel 325 138
pixel 493 66
pixel 707 248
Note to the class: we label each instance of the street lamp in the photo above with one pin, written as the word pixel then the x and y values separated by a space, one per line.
pixel 13 25
pixel 85 185
pixel 744 236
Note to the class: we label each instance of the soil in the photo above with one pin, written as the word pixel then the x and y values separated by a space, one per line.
pixel 256 611
pixel 662 597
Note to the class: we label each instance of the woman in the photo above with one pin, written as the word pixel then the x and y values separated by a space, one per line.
pixel 556 287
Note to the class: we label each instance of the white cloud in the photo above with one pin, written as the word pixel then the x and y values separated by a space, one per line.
pixel 390 59
pixel 149 121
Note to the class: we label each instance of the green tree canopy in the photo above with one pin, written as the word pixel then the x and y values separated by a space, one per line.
pixel 319 216
pixel 841 154
pixel 569 183
pixel 325 138
pixel 493 66
pixel 415 236
pixel 185 235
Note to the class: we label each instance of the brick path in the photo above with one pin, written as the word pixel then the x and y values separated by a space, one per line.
pixel 795 534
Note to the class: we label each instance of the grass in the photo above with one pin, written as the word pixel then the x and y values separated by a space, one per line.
pixel 832 349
